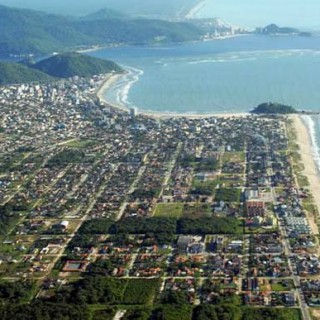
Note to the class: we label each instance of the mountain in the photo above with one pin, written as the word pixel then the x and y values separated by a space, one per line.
pixel 13 73
pixel 75 64
pixel 25 32
pixel 59 66
pixel 273 29
pixel 105 14
pixel 139 31
pixel 148 8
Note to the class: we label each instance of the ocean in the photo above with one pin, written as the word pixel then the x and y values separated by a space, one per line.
pixel 221 76
pixel 230 75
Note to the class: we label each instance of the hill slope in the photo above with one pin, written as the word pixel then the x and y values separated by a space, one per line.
pixel 104 14
pixel 130 7
pixel 272 29
pixel 14 73
pixel 27 31
pixel 74 64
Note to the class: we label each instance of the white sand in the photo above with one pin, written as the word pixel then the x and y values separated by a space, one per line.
pixel 310 167
pixel 105 86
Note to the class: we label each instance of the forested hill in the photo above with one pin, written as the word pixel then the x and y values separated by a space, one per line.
pixel 27 31
pixel 59 66
pixel 13 73
pixel 148 8
pixel 273 108
pixel 75 64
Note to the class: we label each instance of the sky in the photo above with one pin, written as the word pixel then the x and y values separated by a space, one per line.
pixel 252 13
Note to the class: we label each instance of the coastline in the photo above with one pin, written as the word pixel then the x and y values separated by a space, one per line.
pixel 105 86
pixel 111 79
pixel 306 151
pixel 160 115
pixel 231 36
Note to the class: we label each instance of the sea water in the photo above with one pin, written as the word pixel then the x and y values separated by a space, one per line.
pixel 231 75
pixel 221 76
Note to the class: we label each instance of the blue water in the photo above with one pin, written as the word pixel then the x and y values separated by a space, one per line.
pixel 231 75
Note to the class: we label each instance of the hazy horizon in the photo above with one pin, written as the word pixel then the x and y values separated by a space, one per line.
pixel 245 13
pixel 258 13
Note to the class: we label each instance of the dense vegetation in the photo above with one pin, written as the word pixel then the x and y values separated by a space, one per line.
pixel 101 290
pixel 9 215
pixel 228 194
pixel 209 226
pixel 59 311
pixel 140 226
pixel 273 108
pixel 58 66
pixel 74 64
pixel 162 227
pixel 44 311
pixel 15 292
pixel 73 301
pixel 65 157
pixel 27 31
pixel 13 73
pixel 271 313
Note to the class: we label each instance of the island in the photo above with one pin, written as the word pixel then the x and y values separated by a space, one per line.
pixel 273 29
pixel 273 108
pixel 278 108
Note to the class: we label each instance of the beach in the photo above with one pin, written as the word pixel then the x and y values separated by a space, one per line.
pixel 105 86
pixel 307 154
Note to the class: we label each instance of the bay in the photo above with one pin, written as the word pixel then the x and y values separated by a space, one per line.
pixel 229 75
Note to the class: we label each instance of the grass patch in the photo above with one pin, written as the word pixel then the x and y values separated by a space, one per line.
pixel 80 144
pixel 172 210
pixel 228 195
pixel 173 312
pixel 281 285
pixel 197 210
pixel 310 207
pixel 231 180
pixel 204 188
pixel 303 181
pixel 233 157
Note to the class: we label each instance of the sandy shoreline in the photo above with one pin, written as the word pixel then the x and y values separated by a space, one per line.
pixel 311 170
pixel 158 115
pixel 105 86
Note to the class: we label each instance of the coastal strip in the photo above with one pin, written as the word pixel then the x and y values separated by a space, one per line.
pixel 311 170
pixel 105 86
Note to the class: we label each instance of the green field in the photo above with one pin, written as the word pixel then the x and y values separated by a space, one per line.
pixel 80 144
pixel 233 157
pixel 281 287
pixel 172 210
